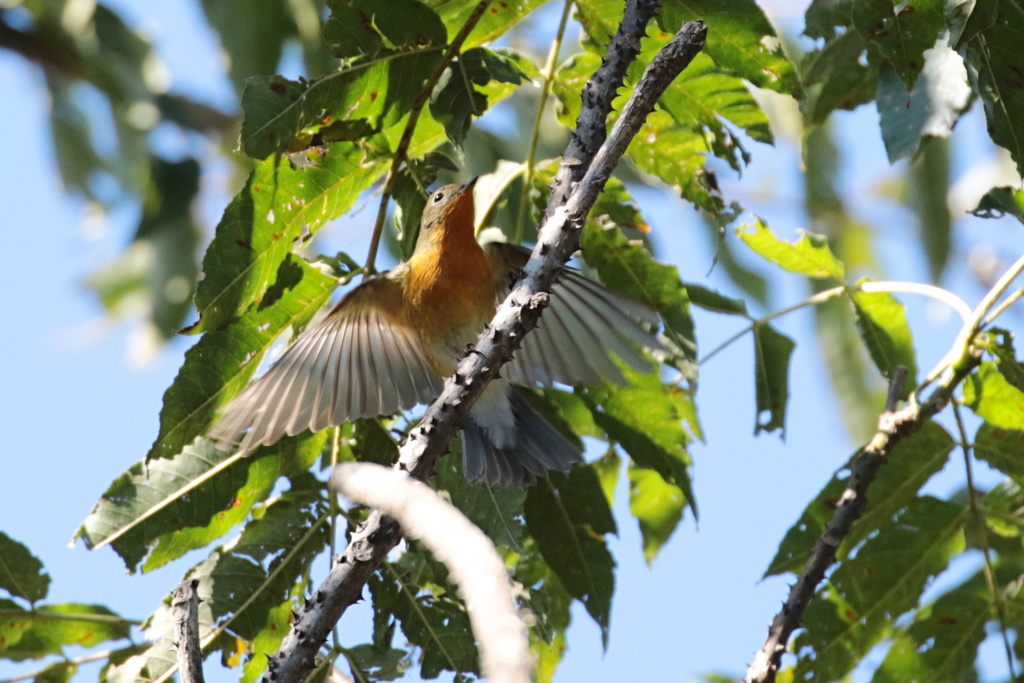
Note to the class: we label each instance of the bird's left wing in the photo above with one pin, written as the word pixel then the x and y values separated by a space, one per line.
pixel 361 360
pixel 583 324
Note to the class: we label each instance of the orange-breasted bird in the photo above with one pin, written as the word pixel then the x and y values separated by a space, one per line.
pixel 389 343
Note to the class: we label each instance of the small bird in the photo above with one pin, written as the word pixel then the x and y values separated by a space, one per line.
pixel 389 343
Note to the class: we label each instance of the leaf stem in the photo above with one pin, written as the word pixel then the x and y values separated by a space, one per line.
pixel 402 151
pixel 545 90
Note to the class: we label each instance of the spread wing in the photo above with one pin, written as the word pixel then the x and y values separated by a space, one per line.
pixel 583 323
pixel 361 360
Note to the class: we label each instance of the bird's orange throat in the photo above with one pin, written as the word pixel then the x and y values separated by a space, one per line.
pixel 449 284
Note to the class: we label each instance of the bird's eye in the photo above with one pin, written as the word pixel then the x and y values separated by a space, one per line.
pixel 438 197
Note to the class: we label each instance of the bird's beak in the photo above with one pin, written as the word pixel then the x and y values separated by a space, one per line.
pixel 468 187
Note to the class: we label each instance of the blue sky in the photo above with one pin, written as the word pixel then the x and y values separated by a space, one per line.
pixel 76 411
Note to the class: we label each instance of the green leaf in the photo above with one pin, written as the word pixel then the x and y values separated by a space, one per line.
pixel 657 506
pixel 882 322
pixel 649 420
pixel 809 255
pixel 495 509
pixel 931 109
pixel 498 18
pixel 941 644
pixel 21 573
pixel 173 523
pixel 929 183
pixel 570 543
pixel 713 301
pixel 278 207
pixel 908 467
pixel 993 398
pixel 60 672
pixel 904 32
pixel 868 592
pixel 48 629
pixel 994 64
pixel 628 267
pixel 1001 448
pixel 377 663
pixel 221 363
pixel 157 271
pixel 456 99
pixel 772 351
pixel 1000 345
pixel 836 78
pixel 740 39
pixel 1001 201
pixel 390 50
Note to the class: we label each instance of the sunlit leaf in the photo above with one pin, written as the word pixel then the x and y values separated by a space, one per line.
pixel 809 255
pixel 48 629
pixel 882 322
pixel 988 393
pixel 657 506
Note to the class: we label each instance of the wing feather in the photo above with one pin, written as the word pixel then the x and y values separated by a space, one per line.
pixel 363 359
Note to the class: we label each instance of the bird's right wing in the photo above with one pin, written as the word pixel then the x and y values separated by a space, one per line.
pixel 583 324
pixel 361 360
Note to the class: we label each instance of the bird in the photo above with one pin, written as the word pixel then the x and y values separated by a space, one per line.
pixel 388 344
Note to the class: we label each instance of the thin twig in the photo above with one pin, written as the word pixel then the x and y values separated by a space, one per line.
pixel 402 151
pixel 35 615
pixel 572 197
pixel 893 427
pixel 73 662
pixel 185 608
pixel 472 560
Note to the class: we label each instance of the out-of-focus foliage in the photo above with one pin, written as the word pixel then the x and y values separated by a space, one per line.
pixel 379 95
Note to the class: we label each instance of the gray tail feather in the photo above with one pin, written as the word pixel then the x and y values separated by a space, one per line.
pixel 539 448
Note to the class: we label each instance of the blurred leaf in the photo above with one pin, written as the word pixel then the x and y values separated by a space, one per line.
pixel 810 255
pixel 48 629
pixel 627 267
pixel 908 117
pixel 1001 201
pixel 570 538
pixel 993 398
pixel 157 271
pixel 21 573
pixel 882 322
pixel 904 32
pixel 252 34
pixel 60 672
pixel 377 663
pixel 941 644
pixel 908 467
pixel 456 100
pixel 868 592
pixel 72 130
pixel 657 506
pixel 223 361
pixel 995 63
pixel 740 39
pixel 390 51
pixel 840 75
pixel 649 420
pixel 772 351
pixel 194 519
pixel 929 183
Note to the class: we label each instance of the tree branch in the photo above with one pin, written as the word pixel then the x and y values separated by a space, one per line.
pixel 893 427
pixel 586 166
pixel 472 560
pixel 185 608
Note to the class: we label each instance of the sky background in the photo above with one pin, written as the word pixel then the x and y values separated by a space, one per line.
pixel 77 407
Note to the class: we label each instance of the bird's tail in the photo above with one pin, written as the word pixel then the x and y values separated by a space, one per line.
pixel 537 448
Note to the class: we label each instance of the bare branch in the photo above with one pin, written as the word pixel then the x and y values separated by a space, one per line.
pixel 472 560
pixel 570 203
pixel 893 427
pixel 185 608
